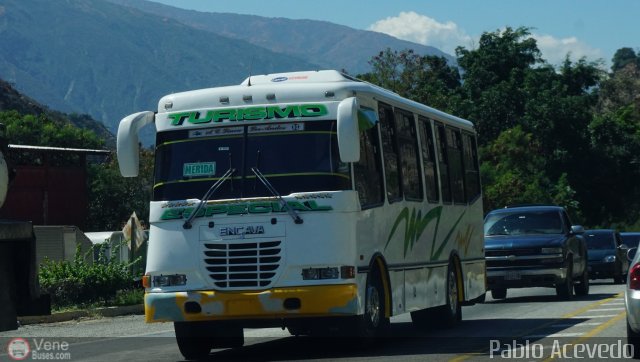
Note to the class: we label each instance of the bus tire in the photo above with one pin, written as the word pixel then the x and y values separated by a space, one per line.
pixel 193 344
pixel 196 339
pixel 373 323
pixel 452 310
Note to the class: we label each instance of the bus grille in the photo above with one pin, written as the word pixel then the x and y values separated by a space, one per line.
pixel 243 265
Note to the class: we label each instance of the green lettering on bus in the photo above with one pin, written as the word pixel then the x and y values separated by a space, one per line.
pixel 249 114
pixel 277 112
pixel 259 208
pixel 215 209
pixel 252 113
pixel 313 110
pixel 243 208
pixel 237 209
pixel 219 115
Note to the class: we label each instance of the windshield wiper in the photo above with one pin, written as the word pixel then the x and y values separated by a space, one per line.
pixel 294 215
pixel 207 195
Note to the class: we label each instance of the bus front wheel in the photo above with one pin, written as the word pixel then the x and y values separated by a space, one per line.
pixel 196 339
pixel 192 343
pixel 374 322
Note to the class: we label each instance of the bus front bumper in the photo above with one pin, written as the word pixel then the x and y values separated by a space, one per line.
pixel 276 303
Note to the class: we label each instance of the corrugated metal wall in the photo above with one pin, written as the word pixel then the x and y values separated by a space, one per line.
pixel 59 243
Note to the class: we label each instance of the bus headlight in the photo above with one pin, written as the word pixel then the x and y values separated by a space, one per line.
pixel 169 280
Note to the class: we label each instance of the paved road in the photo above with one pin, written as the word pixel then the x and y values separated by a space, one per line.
pixel 531 324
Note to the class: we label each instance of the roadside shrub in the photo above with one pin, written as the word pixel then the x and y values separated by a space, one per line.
pixel 77 283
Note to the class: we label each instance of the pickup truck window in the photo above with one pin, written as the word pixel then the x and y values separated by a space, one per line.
pixel 523 223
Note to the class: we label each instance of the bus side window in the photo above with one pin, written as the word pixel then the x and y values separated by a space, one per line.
pixel 429 159
pixel 410 161
pixel 368 171
pixel 443 162
pixel 456 169
pixel 471 172
pixel 390 152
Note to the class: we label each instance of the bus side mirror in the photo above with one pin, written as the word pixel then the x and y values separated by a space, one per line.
pixel 348 132
pixel 127 144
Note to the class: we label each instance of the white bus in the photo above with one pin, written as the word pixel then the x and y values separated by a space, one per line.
pixel 308 200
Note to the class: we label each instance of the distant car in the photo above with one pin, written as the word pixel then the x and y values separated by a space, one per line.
pixel 535 246
pixel 630 239
pixel 632 302
pixel 607 255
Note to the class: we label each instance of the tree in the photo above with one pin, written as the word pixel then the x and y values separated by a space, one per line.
pixel 513 172
pixel 622 57
pixel 113 198
pixel 493 75
pixel 40 130
pixel 426 79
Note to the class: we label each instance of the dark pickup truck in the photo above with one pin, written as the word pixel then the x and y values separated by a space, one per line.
pixel 535 246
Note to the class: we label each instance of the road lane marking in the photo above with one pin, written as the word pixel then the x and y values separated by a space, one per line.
pixel 606 309
pixel 571 315
pixel 567 325
pixel 594 316
pixel 593 332
pixel 554 335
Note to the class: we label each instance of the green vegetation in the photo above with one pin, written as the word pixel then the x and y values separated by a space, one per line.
pixel 78 283
pixel 568 134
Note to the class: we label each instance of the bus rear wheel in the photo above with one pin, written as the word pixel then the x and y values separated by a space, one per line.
pixel 452 311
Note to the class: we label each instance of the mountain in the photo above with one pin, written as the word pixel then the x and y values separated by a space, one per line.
pixel 11 99
pixel 329 45
pixel 112 58
pixel 95 57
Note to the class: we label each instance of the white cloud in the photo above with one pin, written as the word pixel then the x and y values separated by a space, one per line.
pixel 424 30
pixel 555 50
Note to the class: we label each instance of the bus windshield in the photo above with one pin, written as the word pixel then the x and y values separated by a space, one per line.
pixel 294 157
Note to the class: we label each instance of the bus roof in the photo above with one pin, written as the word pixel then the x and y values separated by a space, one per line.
pixel 295 87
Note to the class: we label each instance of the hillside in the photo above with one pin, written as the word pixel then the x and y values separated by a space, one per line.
pixel 95 57
pixel 108 60
pixel 329 45
pixel 10 99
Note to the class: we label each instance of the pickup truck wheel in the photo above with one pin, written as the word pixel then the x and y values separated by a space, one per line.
pixel 582 288
pixel 499 293
pixel 564 289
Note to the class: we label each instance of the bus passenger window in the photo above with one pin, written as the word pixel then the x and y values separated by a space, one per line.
pixel 390 152
pixel 368 171
pixel 456 171
pixel 410 162
pixel 429 159
pixel 471 172
pixel 443 162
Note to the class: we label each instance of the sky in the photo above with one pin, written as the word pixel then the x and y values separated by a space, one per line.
pixel 594 29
